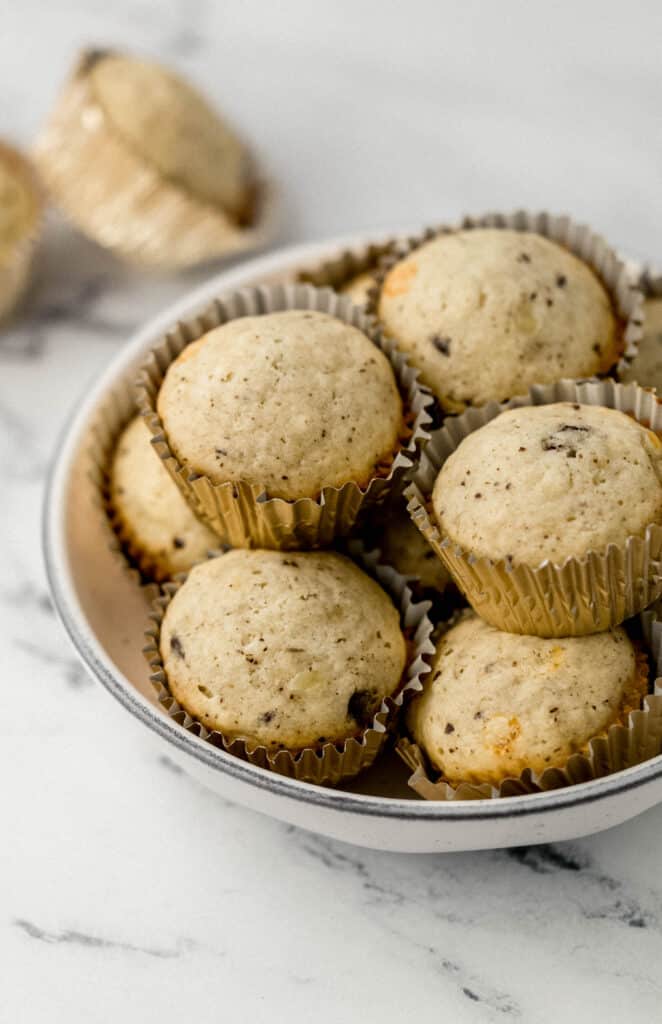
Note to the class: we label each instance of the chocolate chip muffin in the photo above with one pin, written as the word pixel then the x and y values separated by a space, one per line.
pixel 282 650
pixel 164 119
pixel 550 482
pixel 497 703
pixel 646 368
pixel 292 401
pixel 486 312
pixel 144 166
pixel 151 517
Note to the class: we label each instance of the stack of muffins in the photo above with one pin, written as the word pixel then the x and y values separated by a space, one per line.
pixel 288 424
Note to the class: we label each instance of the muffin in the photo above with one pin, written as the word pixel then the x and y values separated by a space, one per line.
pixel 548 514
pixel 497 703
pixel 20 214
pixel 352 272
pixel 646 367
pixel 358 288
pixel 405 548
pixel 173 128
pixel 282 651
pixel 143 165
pixel 292 402
pixel 154 523
pixel 550 482
pixel 283 415
pixel 486 312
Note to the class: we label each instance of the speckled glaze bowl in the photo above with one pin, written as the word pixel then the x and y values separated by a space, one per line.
pixel 105 615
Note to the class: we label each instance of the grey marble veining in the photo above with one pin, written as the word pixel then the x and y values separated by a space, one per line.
pixel 127 891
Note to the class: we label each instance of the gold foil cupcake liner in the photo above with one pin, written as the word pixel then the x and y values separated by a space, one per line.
pixel 111 419
pixel 337 272
pixel 123 203
pixel 241 513
pixel 622 746
pixel 577 596
pixel 592 249
pixel 330 763
pixel 16 267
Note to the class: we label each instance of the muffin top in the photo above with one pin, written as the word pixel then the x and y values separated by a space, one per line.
pixel 152 513
pixel 550 481
pixel 358 287
pixel 406 549
pixel 293 402
pixel 496 703
pixel 18 204
pixel 487 312
pixel 281 649
pixel 646 368
pixel 166 121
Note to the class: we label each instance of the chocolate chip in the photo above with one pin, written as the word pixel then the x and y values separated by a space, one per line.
pixel 561 280
pixel 441 344
pixel 361 706
pixel 449 728
pixel 597 349
pixel 478 495
pixel 524 258
pixel 177 647
pixel 221 451
pixel 266 717
pixel 177 542
pixel 521 449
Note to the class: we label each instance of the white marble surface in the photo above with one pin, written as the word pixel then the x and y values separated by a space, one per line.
pixel 126 891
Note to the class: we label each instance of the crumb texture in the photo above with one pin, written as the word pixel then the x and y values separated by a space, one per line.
pixel 282 649
pixel 485 313
pixel 549 482
pixel 291 401
pixel 496 703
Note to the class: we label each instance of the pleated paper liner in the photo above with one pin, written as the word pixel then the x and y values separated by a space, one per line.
pixel 646 369
pixel 241 513
pixel 16 262
pixel 111 419
pixel 338 272
pixel 123 203
pixel 329 763
pixel 622 746
pixel 589 247
pixel 579 596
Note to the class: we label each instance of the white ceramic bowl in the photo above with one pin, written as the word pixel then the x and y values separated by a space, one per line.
pixel 105 615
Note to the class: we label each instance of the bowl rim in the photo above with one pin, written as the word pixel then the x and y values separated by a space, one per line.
pixel 72 615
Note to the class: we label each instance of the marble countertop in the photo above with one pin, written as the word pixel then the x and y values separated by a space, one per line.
pixel 127 892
